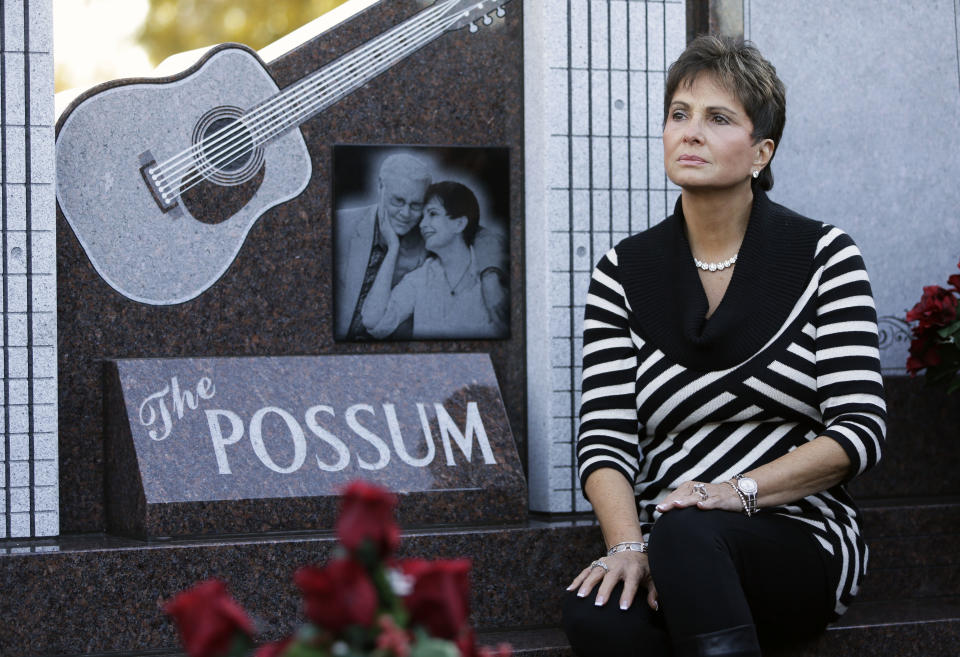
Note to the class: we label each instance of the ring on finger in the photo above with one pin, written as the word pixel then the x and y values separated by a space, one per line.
pixel 701 490
pixel 599 564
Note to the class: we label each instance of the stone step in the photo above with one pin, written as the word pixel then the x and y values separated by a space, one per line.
pixel 923 444
pixel 102 594
pixel 99 594
pixel 928 628
pixel 85 595
pixel 923 628
pixel 906 628
pixel 913 551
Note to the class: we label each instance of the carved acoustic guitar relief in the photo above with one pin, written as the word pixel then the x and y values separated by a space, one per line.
pixel 162 180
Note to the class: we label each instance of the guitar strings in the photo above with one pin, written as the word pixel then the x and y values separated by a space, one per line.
pixel 273 117
pixel 237 137
pixel 185 159
pixel 334 88
pixel 280 125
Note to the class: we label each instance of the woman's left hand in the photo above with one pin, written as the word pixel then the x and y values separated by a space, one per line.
pixel 703 496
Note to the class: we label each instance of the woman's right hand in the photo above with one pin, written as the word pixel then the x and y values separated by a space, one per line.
pixel 632 568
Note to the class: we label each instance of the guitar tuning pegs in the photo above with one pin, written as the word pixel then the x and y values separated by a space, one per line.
pixel 501 12
pixel 487 20
pixel 473 28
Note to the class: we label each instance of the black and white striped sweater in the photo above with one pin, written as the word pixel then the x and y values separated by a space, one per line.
pixel 789 354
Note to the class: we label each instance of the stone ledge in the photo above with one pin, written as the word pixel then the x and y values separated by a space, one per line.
pixel 920 628
pixel 109 591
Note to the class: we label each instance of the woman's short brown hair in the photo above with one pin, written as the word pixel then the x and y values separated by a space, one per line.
pixel 740 68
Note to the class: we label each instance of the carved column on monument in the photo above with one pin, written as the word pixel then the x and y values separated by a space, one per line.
pixel 594 75
pixel 29 491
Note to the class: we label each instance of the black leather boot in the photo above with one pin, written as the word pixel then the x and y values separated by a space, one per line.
pixel 740 641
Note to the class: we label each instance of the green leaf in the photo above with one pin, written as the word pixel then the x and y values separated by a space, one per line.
pixel 388 599
pixel 241 645
pixel 367 554
pixel 301 649
pixel 310 633
pixel 428 647
pixel 949 330
pixel 953 387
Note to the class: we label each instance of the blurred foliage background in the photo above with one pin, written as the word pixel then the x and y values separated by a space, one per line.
pixel 100 40
pixel 174 26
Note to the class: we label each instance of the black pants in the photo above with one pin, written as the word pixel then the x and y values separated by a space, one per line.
pixel 714 570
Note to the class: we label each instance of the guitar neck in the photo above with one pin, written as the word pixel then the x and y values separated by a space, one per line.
pixel 319 90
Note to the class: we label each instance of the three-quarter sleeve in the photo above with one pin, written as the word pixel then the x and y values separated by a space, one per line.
pixel 608 434
pixel 849 383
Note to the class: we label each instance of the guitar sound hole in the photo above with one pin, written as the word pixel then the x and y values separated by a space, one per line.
pixel 225 150
pixel 232 150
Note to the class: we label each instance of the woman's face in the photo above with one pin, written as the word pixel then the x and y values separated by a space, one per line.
pixel 707 140
pixel 437 228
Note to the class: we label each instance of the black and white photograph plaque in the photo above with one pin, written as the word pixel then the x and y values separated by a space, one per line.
pixel 421 248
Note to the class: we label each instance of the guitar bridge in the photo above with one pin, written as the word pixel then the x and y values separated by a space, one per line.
pixel 147 168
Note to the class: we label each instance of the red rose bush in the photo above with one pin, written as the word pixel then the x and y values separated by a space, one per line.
pixel 362 603
pixel 936 337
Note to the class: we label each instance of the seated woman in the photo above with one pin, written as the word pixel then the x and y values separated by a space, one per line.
pixel 731 387
pixel 444 294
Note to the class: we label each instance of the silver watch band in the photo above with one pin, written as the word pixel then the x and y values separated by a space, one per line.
pixel 743 498
pixel 748 488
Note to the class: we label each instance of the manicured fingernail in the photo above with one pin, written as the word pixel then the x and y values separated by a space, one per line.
pixel 599 601
pixel 656 605
pixel 581 594
pixel 624 606
pixel 571 587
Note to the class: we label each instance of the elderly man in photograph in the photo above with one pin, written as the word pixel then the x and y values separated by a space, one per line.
pixel 360 248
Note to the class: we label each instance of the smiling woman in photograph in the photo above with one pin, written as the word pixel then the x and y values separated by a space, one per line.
pixel 443 295
pixel 731 388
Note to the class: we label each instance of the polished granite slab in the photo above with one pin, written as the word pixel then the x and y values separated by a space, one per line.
pixel 233 445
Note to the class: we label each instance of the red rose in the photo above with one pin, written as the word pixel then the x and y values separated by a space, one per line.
pixel 440 599
pixel 467 644
pixel 366 513
pixel 954 281
pixel 937 307
pixel 274 649
pixel 208 619
pixel 339 595
pixel 923 351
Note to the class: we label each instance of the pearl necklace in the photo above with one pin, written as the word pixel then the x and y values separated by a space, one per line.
pixel 715 266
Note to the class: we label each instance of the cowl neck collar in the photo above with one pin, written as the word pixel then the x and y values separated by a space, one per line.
pixel 663 287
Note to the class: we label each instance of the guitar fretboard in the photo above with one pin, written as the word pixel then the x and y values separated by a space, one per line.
pixel 325 87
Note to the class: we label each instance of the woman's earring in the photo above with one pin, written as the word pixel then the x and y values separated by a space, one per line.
pixel 756 174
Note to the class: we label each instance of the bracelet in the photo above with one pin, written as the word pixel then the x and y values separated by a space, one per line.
pixel 743 500
pixel 627 546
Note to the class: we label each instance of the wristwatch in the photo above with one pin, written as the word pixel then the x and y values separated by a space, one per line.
pixel 748 487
